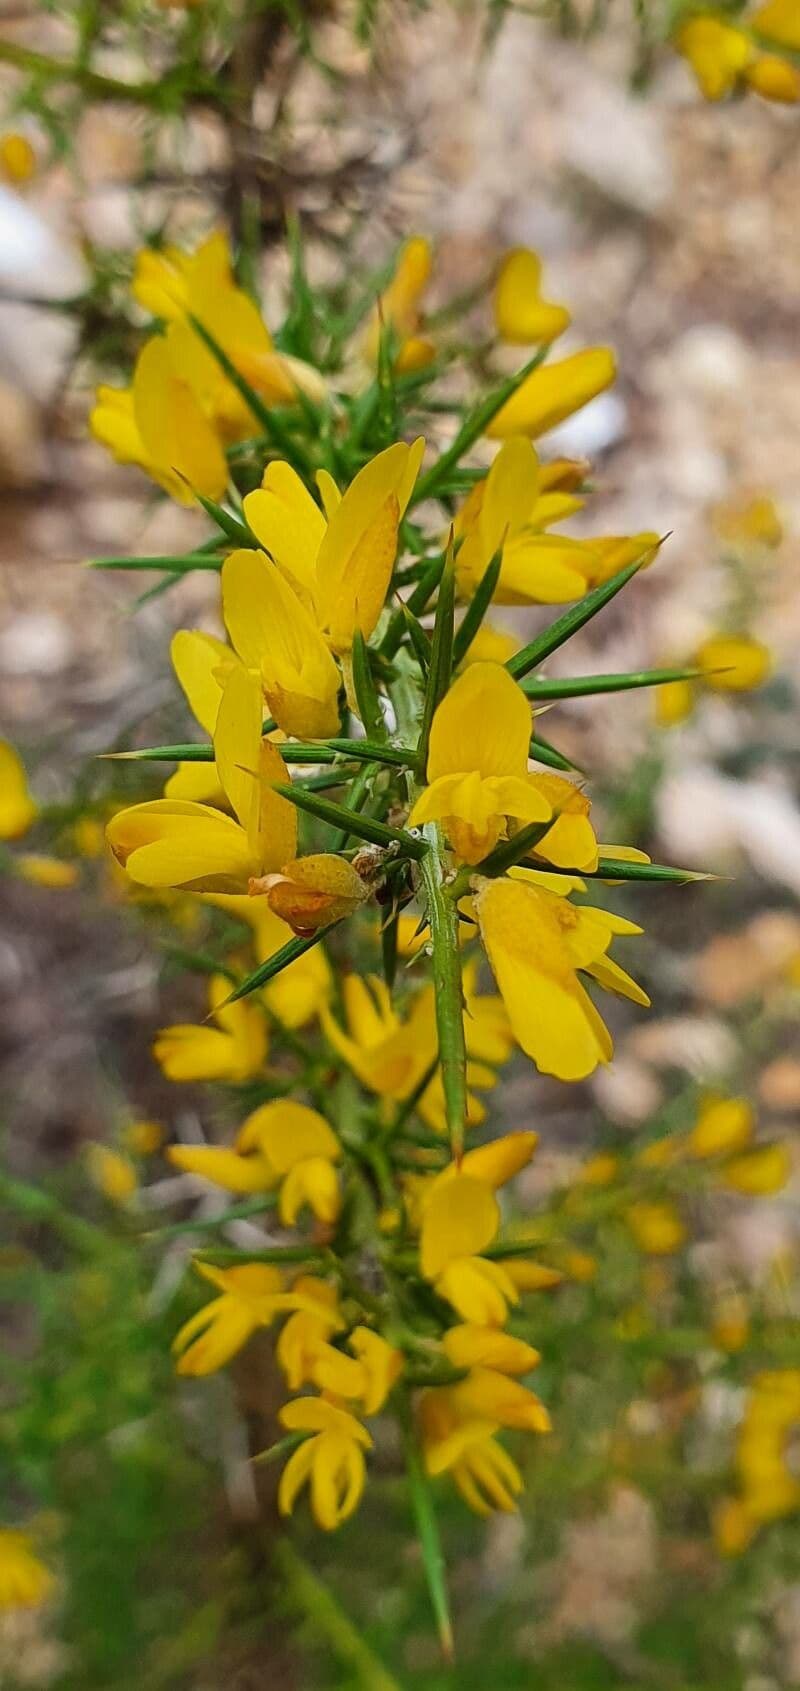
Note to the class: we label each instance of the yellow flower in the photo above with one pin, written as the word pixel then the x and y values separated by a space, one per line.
pixel 774 79
pixel 18 812
pixel 251 1297
pixel 306 1329
pixel 389 1056
pixel 770 1489
pixel 301 1150
pixel 760 1172
pixel 554 392
pixel 24 1581
pixel 484 1473
pixel 779 21
pixel 43 871
pixel 461 1217
pixel 276 635
pixel 521 315
pixel 656 1226
pixel 478 763
pixel 143 1138
pixel 674 702
pixel 331 1461
pixel 235 1050
pixel 179 843
pixel 469 1346
pixel 159 424
pixel 753 520
pixel 733 663
pixel 537 943
pixel 400 309
pixel 717 53
pixel 17 158
pixel 113 1174
pixel 600 1170
pixel 381 1365
pixel 723 1125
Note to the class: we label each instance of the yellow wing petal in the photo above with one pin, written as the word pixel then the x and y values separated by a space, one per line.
pixel 483 723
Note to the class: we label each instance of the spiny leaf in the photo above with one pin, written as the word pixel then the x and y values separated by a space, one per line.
pixel 573 619
pixel 174 565
pixel 428 1534
pixel 364 827
pixel 620 869
pixel 477 608
pixel 419 640
pixel 226 521
pixel 279 961
pixel 545 753
pixel 514 850
pixel 579 686
pixel 472 428
pixel 441 664
pixel 449 996
pixel 369 708
pixel 416 603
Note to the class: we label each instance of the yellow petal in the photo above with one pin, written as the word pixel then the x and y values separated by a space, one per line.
pixel 774 79
pixel 286 1132
pixel 288 523
pixel 275 634
pixel 521 315
pixel 237 744
pixel 779 21
pixel 468 1346
pixel 223 1168
pixel 499 1160
pixel 201 663
pixel 716 52
pixel 173 428
pixel 761 1172
pixel 554 392
pixel 723 1125
pixel 483 723
pixel 733 664
pixel 312 891
pixel 460 1219
pixel 173 843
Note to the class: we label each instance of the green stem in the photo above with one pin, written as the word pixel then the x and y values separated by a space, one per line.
pixel 91 82
pixel 308 1592
pixel 427 1529
pixel 443 919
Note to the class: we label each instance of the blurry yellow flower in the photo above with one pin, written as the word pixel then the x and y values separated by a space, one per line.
pixel 301 1336
pixel 25 1582
pixel 466 1448
pixel 301 1149
pixel 537 943
pixel 400 309
pixel 18 811
pixel 656 1226
pixel 730 1327
pixel 89 836
pixel 478 763
pixel 217 1331
pixel 717 53
pixel 528 1276
pixel 600 1170
pixel 769 1486
pixel 779 21
pixel 723 1125
pixel 469 1346
pixel 733 663
pixel 460 1218
pixel 760 1172
pixel 331 1461
pixel 17 158
pixel 179 843
pixel 753 520
pixel 554 392
pixel 142 1138
pixel 521 315
pixel 113 1174
pixel 44 871
pixel 774 79
pixel 235 1050
pixel 389 1055
pixel 674 702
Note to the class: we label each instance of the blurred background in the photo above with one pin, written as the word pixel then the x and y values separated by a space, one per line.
pixel 670 228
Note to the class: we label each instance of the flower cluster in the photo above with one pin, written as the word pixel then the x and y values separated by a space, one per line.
pixel 760 52
pixel 356 570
